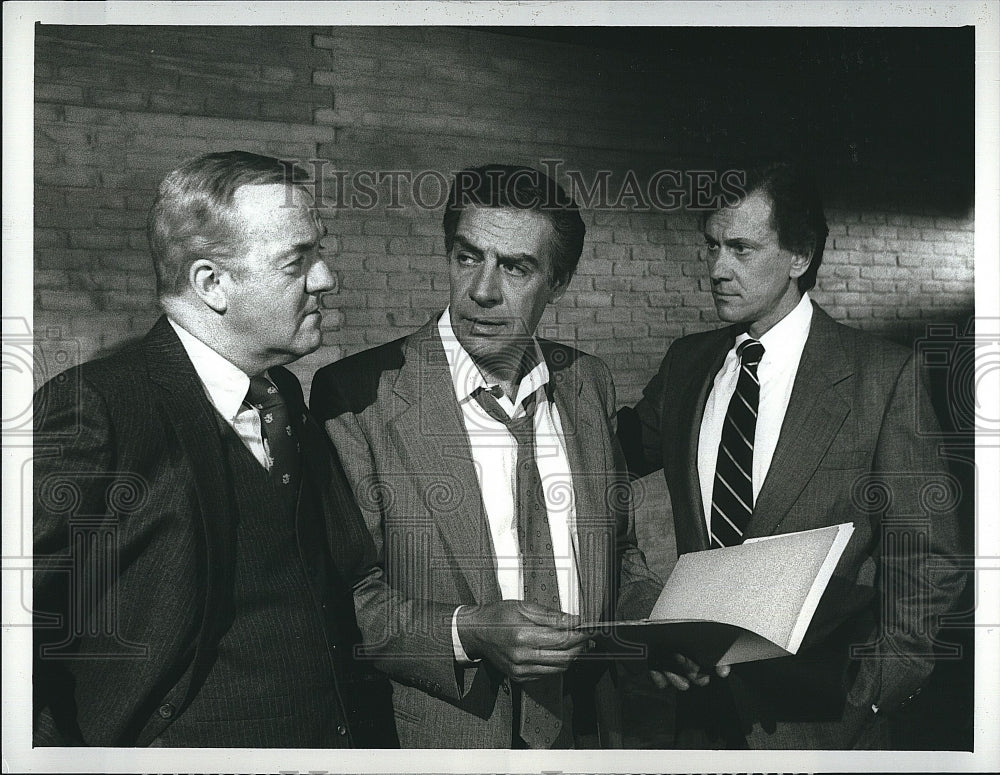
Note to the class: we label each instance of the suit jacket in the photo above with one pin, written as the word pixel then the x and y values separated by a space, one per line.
pixel 849 451
pixel 393 414
pixel 134 536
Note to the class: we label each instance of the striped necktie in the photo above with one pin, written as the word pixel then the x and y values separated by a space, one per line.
pixel 732 493
pixel 541 700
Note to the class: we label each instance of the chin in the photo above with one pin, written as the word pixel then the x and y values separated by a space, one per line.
pixel 308 342
pixel 729 314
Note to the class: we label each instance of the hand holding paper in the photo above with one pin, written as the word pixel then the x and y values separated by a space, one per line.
pixel 740 603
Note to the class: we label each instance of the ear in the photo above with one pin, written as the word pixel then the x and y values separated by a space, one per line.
pixel 800 263
pixel 205 278
pixel 558 290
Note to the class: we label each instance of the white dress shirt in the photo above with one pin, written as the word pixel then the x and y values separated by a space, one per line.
pixel 226 387
pixel 783 344
pixel 494 456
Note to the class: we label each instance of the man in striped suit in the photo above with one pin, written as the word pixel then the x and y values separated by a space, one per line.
pixel 195 537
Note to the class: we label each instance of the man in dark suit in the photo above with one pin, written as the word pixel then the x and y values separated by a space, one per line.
pixel 484 463
pixel 786 421
pixel 195 537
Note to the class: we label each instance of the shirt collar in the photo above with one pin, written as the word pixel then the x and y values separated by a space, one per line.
pixel 465 374
pixel 225 384
pixel 784 341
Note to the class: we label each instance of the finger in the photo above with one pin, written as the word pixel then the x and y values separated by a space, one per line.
pixel 680 683
pixel 688 667
pixel 659 679
pixel 560 658
pixel 548 617
pixel 554 639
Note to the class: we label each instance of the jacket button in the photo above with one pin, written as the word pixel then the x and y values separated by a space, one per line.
pixel 506 687
pixel 341 730
pixel 166 710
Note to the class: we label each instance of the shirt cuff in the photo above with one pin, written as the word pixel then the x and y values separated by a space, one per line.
pixel 456 642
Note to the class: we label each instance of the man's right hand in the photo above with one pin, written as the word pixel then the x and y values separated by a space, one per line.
pixel 524 640
pixel 687 673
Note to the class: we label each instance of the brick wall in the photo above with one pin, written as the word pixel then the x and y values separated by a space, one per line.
pixel 118 107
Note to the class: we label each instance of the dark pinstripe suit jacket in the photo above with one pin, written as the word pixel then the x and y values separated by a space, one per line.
pixel 133 540
pixel 849 451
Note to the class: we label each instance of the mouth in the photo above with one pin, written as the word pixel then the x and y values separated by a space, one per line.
pixel 486 326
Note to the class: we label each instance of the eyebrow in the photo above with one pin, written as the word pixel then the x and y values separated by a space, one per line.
pixel 730 240
pixel 527 258
pixel 300 246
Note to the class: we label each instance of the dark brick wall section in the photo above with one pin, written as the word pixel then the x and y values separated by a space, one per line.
pixel 117 107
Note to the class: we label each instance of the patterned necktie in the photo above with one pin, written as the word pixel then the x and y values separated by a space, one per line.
pixel 541 700
pixel 732 493
pixel 279 435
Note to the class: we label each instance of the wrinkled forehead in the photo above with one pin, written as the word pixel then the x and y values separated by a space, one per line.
pixel 505 230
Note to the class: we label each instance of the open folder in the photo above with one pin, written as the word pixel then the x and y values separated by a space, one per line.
pixel 739 603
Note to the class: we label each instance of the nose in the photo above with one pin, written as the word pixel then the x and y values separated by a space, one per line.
pixel 719 267
pixel 320 278
pixel 485 290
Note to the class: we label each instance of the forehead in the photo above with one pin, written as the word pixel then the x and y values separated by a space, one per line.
pixel 751 218
pixel 273 210
pixel 506 231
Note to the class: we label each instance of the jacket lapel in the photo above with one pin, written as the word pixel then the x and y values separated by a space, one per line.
pixel 186 408
pixel 430 435
pixel 692 532
pixel 589 465
pixel 816 410
pixel 194 420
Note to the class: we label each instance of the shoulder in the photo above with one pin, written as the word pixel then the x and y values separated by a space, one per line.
pixel 353 383
pixel 80 405
pixel 568 363
pixel 868 352
pixel 694 348
pixel 560 356
pixel 117 374
pixel 363 368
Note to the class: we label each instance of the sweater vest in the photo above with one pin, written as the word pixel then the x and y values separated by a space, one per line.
pixel 274 681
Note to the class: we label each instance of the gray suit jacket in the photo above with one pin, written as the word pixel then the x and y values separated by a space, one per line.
pixel 393 415
pixel 849 451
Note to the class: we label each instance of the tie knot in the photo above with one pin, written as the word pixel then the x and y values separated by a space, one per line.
pixel 750 352
pixel 521 428
pixel 262 393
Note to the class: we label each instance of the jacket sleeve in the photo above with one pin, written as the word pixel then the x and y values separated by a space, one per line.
pixel 638 429
pixel 408 638
pixel 73 441
pixel 920 578
pixel 638 585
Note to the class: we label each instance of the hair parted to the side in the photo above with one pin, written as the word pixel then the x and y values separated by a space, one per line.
pixel 521 188
pixel 796 208
pixel 188 219
pixel 796 211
